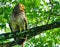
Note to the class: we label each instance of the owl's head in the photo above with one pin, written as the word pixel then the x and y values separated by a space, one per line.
pixel 18 8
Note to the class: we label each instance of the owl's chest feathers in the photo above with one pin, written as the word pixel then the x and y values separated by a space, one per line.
pixel 18 19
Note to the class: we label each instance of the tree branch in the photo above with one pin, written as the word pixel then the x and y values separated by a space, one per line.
pixel 30 32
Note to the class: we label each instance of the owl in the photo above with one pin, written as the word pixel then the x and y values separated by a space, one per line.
pixel 18 20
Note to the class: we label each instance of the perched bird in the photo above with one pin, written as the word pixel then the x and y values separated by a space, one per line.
pixel 18 20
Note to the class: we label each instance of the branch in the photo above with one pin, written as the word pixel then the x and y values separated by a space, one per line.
pixel 31 32
pixel 37 30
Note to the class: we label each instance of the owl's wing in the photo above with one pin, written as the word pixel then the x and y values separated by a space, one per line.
pixel 14 27
pixel 26 23
pixel 10 27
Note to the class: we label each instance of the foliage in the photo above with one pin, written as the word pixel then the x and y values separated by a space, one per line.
pixel 37 12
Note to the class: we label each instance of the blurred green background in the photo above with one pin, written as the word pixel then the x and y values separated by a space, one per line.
pixel 37 13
